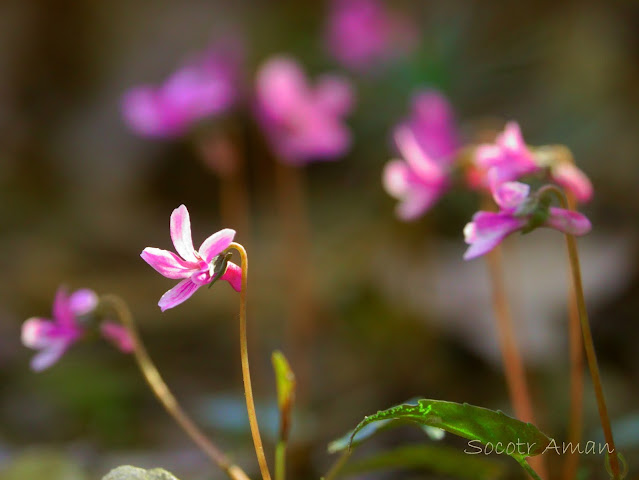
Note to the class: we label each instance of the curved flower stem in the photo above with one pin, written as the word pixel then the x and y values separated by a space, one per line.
pixel 589 346
pixel 337 466
pixel 511 357
pixel 280 460
pixel 576 376
pixel 164 395
pixel 246 374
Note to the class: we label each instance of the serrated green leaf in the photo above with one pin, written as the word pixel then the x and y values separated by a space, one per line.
pixel 127 472
pixel 285 383
pixel 470 422
pixel 433 458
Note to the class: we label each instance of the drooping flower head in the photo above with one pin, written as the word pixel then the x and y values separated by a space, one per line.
pixel 204 87
pixel 518 210
pixel 302 122
pixel 193 268
pixel 71 319
pixel 363 33
pixel 427 143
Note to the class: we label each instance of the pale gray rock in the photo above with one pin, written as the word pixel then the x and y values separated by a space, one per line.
pixel 127 472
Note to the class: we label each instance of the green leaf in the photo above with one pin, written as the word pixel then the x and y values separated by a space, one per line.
pixel 285 383
pixel 468 421
pixel 433 458
pixel 133 473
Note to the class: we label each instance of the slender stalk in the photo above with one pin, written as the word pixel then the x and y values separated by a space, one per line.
pixel 575 428
pixel 589 346
pixel 301 325
pixel 528 468
pixel 280 460
pixel 164 395
pixel 246 374
pixel 337 466
pixel 511 357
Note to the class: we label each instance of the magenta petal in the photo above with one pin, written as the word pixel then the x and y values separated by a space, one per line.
pixel 487 230
pixel 416 157
pixel 233 275
pixel 36 332
pixel 145 114
pixel 168 263
pixel 568 221
pixel 216 244
pixel 281 87
pixel 396 178
pixel 62 312
pixel 181 233
pixel 83 301
pixel 178 294
pixel 573 180
pixel 49 355
pixel 509 195
pixel 118 335
pixel 416 203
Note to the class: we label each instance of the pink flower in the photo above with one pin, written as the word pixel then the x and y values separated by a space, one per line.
pixel 118 335
pixel 362 33
pixel 517 211
pixel 508 157
pixel 53 337
pixel 195 268
pixel 571 178
pixel 204 87
pixel 427 142
pixel 302 122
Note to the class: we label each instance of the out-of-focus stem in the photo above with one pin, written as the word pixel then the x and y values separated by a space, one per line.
pixel 511 357
pixel 576 375
pixel 301 322
pixel 246 374
pixel 589 345
pixel 337 466
pixel 164 395
pixel 280 460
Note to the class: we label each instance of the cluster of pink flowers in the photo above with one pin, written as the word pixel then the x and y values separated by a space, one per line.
pixel 52 337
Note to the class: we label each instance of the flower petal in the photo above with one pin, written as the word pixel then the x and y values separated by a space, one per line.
pixel 574 180
pixel 233 275
pixel 509 195
pixel 568 221
pixel 49 355
pixel 118 335
pixel 181 233
pixel 281 87
pixel 62 313
pixel 396 178
pixel 168 263
pixel 178 294
pixel 36 332
pixel 487 230
pixel 83 301
pixel 216 244
pixel 417 203
pixel 416 157
pixel 334 94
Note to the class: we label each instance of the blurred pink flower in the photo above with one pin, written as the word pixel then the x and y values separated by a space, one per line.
pixel 196 268
pixel 53 337
pixel 508 158
pixel 488 229
pixel 363 33
pixel 118 335
pixel 427 143
pixel 302 122
pixel 204 87
pixel 572 179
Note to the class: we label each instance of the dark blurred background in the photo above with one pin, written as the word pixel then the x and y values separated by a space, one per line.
pixel 399 313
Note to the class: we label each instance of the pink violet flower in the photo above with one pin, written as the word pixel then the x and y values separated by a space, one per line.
pixel 508 157
pixel 194 268
pixel 363 33
pixel 52 337
pixel 488 229
pixel 204 87
pixel 118 335
pixel 427 143
pixel 302 122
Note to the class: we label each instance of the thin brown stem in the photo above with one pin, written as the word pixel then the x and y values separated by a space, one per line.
pixel 301 325
pixel 246 374
pixel 337 466
pixel 164 395
pixel 589 346
pixel 575 428
pixel 511 356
